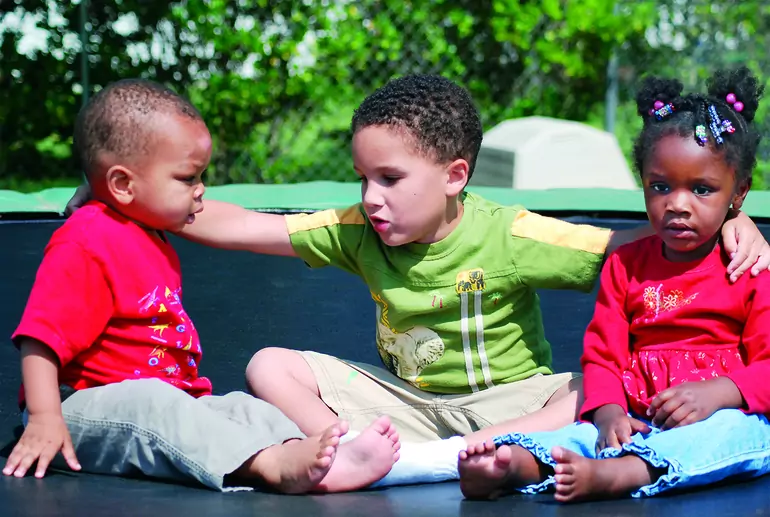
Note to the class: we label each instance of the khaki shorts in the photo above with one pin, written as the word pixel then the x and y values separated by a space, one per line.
pixel 360 393
pixel 148 427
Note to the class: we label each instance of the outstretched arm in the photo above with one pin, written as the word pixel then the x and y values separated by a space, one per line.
pixel 228 226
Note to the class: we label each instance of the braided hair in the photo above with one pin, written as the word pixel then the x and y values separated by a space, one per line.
pixel 728 108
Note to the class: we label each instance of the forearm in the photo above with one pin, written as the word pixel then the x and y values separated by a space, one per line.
pixel 228 226
pixel 40 374
pixel 620 237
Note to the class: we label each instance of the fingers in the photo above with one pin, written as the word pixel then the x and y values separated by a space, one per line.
pixel 662 397
pixel 676 417
pixel 763 261
pixel 14 459
pixel 623 435
pixel 19 465
pixel 730 243
pixel 741 263
pixel 68 451
pixel 612 440
pixel 637 426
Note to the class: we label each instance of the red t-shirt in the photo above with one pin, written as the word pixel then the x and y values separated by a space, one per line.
pixel 107 299
pixel 659 323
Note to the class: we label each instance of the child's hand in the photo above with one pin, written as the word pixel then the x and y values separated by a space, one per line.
pixel 745 245
pixel 616 427
pixel 44 436
pixel 81 196
pixel 692 402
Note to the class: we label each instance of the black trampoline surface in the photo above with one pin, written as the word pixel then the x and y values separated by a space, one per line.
pixel 243 302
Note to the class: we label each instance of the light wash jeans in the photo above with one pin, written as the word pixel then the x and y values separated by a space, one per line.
pixel 729 444
pixel 149 427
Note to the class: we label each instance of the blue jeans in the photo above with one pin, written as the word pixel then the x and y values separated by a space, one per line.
pixel 729 444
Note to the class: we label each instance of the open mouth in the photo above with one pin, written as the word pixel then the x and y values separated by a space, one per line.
pixel 379 224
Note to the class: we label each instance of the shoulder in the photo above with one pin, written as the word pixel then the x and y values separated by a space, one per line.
pixel 642 248
pixel 96 228
pixel 326 219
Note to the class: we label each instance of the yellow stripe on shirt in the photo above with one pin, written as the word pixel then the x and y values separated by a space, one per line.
pixel 553 231
pixel 332 217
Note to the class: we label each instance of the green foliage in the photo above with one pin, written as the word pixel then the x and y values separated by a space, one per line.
pixel 277 82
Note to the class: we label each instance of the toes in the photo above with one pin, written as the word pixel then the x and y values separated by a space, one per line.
pixel 343 426
pixel 489 446
pixel 562 455
pixel 382 424
pixel 503 455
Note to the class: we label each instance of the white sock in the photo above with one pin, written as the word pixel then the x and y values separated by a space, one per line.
pixel 428 462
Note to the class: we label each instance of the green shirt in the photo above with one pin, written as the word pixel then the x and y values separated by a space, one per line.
pixel 461 314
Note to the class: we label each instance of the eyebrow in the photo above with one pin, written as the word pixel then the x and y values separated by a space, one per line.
pixel 704 178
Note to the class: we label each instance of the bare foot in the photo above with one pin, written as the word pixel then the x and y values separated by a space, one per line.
pixel 363 460
pixel 296 466
pixel 580 478
pixel 484 471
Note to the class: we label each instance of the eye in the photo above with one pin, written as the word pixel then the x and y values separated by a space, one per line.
pixel 702 190
pixel 390 180
pixel 659 186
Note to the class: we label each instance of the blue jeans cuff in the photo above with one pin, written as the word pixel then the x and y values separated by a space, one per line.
pixel 666 481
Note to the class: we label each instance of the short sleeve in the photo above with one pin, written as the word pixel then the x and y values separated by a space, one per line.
pixel 329 237
pixel 554 254
pixel 70 303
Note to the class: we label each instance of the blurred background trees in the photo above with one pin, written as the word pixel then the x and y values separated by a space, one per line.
pixel 277 80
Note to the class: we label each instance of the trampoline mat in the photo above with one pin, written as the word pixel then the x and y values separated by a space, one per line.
pixel 243 302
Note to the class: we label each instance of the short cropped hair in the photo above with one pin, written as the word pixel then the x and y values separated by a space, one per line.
pixel 116 120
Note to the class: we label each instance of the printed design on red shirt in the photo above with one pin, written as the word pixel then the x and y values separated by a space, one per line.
pixel 657 300
pixel 173 330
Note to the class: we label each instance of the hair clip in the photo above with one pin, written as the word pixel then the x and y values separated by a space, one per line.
pixel 715 124
pixel 663 110
pixel 727 126
pixel 734 102
pixel 700 134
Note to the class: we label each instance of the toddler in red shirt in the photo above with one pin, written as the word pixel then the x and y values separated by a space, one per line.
pixel 109 356
pixel 676 357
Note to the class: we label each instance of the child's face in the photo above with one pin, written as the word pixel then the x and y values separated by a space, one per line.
pixel 168 190
pixel 407 197
pixel 688 190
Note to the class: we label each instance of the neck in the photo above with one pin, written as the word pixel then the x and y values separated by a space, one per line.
pixel 688 256
pixel 449 221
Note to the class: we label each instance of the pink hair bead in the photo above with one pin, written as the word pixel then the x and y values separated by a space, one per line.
pixel 658 105
pixel 738 106
pixel 730 98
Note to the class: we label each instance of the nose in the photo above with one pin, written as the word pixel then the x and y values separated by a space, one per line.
pixel 678 201
pixel 371 195
pixel 200 189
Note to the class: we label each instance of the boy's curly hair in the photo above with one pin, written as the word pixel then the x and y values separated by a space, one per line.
pixel 691 110
pixel 438 115
pixel 118 119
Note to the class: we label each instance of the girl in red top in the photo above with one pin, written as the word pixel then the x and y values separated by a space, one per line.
pixel 676 358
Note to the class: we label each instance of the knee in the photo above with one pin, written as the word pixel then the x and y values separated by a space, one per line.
pixel 266 366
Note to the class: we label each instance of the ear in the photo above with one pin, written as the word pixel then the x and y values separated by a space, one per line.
pixel 120 184
pixel 457 177
pixel 741 190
